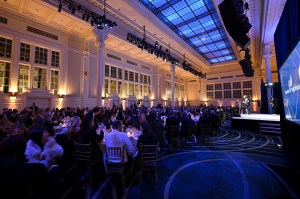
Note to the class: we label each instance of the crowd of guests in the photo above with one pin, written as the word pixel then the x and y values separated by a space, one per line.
pixel 30 142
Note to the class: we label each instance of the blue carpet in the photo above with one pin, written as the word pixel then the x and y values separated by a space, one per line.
pixel 232 164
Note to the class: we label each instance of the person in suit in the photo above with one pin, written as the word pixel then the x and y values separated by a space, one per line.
pixel 95 114
pixel 274 104
pixel 246 103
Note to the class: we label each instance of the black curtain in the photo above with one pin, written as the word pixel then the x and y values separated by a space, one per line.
pixel 288 31
pixel 264 98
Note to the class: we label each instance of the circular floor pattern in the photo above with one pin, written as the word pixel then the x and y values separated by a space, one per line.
pixel 218 175
pixel 231 164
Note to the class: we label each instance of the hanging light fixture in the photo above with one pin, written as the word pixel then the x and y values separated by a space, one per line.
pixel 87 14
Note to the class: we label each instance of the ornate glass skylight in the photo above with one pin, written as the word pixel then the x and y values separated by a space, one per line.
pixel 197 23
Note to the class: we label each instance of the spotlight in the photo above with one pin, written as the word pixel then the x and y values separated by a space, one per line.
pixel 83 17
pixel 156 44
pixel 92 22
pixel 73 10
pixel 99 26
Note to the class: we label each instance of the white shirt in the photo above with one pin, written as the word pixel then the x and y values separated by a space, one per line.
pixel 119 139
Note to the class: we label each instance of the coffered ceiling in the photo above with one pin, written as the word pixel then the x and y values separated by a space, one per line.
pixel 131 16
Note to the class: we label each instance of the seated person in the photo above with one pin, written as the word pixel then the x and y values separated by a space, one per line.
pixel 116 138
pixel 18 178
pixel 19 129
pixel 41 148
pixel 147 137
pixel 185 125
pixel 126 122
pixel 88 134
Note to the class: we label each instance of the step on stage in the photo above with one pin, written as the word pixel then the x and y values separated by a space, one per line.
pixel 252 121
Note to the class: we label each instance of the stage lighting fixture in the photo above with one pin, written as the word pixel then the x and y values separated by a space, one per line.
pixel 87 14
pixel 59 6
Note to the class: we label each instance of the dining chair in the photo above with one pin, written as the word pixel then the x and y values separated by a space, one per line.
pixel 148 162
pixel 175 137
pixel 192 134
pixel 115 157
pixel 83 160
pixel 205 131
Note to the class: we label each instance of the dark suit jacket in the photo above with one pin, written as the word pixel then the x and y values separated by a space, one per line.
pixel 16 181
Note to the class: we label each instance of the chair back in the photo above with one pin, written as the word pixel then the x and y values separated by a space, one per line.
pixel 192 130
pixel 115 161
pixel 174 131
pixel 83 152
pixel 115 154
pixel 206 130
pixel 149 156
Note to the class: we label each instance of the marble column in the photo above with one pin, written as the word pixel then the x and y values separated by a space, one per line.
pixel 86 74
pixel 101 36
pixel 173 83
pixel 268 71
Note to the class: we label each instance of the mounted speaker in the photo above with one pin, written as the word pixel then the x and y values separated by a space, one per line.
pixel 235 21
pixel 247 68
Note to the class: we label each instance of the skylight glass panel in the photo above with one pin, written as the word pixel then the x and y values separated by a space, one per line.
pixel 197 23
pixel 196 28
pixel 168 11
pixel 173 17
pixel 225 52
pixel 179 5
pixel 188 16
pixel 197 5
pixel 184 11
pixel 158 3
pixel 194 23
pixel 221 45
pixel 177 21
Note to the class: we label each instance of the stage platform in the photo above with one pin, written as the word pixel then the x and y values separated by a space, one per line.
pixel 252 122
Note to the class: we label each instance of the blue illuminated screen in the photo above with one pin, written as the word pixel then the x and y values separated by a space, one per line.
pixel 198 24
pixel 290 85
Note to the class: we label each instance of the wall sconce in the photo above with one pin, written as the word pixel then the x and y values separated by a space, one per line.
pixel 60 96
pixel 12 95
pixel 123 98
pixel 85 73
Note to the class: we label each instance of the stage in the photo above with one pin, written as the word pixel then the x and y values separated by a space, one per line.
pixel 252 122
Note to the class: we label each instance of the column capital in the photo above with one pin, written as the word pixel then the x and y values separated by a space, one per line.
pixel 172 66
pixel 101 36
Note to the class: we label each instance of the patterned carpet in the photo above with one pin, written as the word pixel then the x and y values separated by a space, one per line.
pixel 232 164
